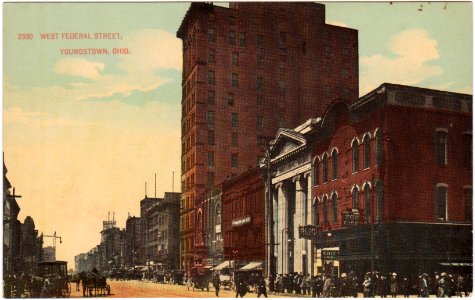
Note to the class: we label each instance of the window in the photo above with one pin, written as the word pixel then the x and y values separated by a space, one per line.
pixel 281 86
pixel 366 152
pixel 211 35
pixel 234 160
pixel 210 179
pixel 441 202
pixel 379 200
pixel 210 97
pixel 315 172
pixel 260 61
pixel 242 39
pixel 467 195
pixel 210 117
pixel 210 137
pixel 260 41
pixel 234 58
pixel 316 212
pixel 234 79
pixel 326 91
pixel 467 150
pixel 234 139
pixel 334 164
pixel 324 168
pixel 210 159
pixel 260 83
pixel 260 100
pixel 354 194
pixel 211 78
pixel 232 37
pixel 334 208
pixel 355 158
pixel 234 119
pixel 441 147
pixel 260 122
pixel 324 208
pixel 379 148
pixel 211 56
pixel 328 51
pixel 230 100
pixel 367 203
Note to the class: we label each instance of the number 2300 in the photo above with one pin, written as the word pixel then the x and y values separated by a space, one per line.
pixel 25 36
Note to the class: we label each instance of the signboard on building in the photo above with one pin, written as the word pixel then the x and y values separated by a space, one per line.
pixel 330 254
pixel 351 217
pixel 241 221
pixel 307 231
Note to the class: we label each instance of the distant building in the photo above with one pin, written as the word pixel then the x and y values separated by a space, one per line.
pixel 248 70
pixel 49 253
pixel 31 245
pixel 132 241
pixel 11 227
pixel 162 232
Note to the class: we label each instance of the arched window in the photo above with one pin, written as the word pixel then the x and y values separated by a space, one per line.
pixel 379 148
pixel 325 212
pixel 367 203
pixel 325 168
pixel 354 148
pixel 334 208
pixel 379 201
pixel 334 164
pixel 315 172
pixel 316 216
pixel 366 152
pixel 354 194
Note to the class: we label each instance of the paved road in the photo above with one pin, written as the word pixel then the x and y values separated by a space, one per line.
pixel 148 289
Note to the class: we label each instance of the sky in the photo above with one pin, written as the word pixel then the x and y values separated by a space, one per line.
pixel 82 133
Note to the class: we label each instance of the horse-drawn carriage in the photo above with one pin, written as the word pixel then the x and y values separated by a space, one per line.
pixel 51 280
pixel 177 276
pixel 94 284
pixel 200 278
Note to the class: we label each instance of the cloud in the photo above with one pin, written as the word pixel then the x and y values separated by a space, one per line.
pixel 411 64
pixel 16 114
pixel 152 49
pixel 79 67
pixel 37 119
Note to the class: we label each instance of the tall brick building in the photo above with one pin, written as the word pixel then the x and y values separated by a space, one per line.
pixel 248 70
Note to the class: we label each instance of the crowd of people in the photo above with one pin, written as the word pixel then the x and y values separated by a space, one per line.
pixel 24 285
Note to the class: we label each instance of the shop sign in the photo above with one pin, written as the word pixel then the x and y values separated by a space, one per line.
pixel 330 254
pixel 307 231
pixel 351 218
pixel 241 221
pixel 217 228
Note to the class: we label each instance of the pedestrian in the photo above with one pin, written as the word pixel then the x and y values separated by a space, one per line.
pixel 216 284
pixel 367 286
pixel 405 287
pixel 261 287
pixel 46 289
pixel 327 285
pixel 424 286
pixel 393 285
pixel 442 286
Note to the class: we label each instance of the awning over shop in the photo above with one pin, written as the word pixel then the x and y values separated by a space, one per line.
pixel 252 266
pixel 222 265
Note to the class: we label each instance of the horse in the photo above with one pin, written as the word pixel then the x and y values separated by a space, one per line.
pixel 92 282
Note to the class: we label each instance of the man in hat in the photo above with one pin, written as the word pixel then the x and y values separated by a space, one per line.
pixel 393 286
pixel 442 286
pixel 424 286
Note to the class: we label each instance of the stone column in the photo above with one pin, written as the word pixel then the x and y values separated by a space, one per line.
pixel 278 203
pixel 308 221
pixel 298 221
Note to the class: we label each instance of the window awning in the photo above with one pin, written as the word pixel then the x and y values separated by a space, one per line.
pixel 222 265
pixel 457 264
pixel 252 266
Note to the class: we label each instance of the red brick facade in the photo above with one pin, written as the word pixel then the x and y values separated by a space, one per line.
pixel 408 170
pixel 248 70
pixel 244 217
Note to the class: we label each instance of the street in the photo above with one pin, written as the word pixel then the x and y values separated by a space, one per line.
pixel 148 289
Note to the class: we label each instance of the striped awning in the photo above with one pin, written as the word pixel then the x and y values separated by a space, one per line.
pixel 222 265
pixel 252 266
